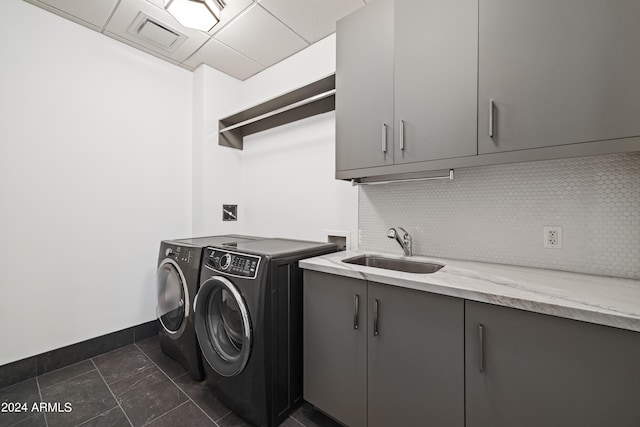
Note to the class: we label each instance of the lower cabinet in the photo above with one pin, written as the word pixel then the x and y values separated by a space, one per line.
pixel 335 346
pixel 529 370
pixel 380 355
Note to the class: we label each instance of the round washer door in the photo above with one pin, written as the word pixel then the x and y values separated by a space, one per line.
pixel 223 326
pixel 173 297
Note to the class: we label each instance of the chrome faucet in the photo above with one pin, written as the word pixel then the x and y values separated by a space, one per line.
pixel 404 241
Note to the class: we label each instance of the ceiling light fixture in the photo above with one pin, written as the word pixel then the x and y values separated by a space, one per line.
pixel 201 15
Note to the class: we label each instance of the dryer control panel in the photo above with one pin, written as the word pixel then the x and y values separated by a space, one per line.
pixel 181 255
pixel 233 263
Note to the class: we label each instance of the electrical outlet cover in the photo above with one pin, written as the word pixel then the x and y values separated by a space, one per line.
pixel 552 235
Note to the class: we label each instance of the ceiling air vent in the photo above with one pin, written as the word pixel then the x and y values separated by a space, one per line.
pixel 156 33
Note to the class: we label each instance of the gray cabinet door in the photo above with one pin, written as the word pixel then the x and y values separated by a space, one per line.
pixel 335 351
pixel 416 362
pixel 436 55
pixel 364 88
pixel 541 370
pixel 559 72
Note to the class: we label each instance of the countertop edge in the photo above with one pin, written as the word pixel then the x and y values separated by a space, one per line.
pixel 591 314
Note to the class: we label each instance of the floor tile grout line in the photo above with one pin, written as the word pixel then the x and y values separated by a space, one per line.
pixel 189 397
pixel 140 348
pixel 194 402
pixel 70 378
pixel 180 388
pixel 296 420
pixel 230 413
pixel 99 415
pixel 109 352
pixel 165 413
pixel 128 376
pixel 46 422
pixel 21 421
pixel 111 391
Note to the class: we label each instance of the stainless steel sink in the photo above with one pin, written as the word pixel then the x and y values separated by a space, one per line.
pixel 394 264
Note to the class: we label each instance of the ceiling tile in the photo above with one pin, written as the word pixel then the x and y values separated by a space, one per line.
pixel 129 11
pixel 225 59
pixel 312 19
pixel 231 9
pixel 144 49
pixel 261 37
pixel 95 13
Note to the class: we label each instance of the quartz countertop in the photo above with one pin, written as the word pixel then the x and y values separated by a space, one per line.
pixel 603 300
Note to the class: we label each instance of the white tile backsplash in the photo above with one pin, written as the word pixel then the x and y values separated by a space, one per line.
pixel 497 214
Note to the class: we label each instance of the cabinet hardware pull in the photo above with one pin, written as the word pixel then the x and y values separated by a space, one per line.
pixel 375 317
pixel 491 108
pixel 402 135
pixel 356 309
pixel 384 137
pixel 481 337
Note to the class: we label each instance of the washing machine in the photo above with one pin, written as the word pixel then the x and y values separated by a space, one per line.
pixel 178 278
pixel 248 322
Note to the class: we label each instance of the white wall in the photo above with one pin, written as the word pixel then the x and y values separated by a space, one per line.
pixel 105 151
pixel 289 188
pixel 95 169
pixel 308 65
pixel 283 180
pixel 216 169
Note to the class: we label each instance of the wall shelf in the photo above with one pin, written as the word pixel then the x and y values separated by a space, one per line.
pixel 315 98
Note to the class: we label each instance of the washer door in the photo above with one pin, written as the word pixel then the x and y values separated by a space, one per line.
pixel 223 326
pixel 173 297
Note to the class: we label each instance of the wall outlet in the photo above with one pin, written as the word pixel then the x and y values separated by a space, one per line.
pixel 552 235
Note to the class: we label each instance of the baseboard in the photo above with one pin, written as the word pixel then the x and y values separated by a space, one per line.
pixel 33 366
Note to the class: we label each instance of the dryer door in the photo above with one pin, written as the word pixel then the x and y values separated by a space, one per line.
pixel 173 297
pixel 223 326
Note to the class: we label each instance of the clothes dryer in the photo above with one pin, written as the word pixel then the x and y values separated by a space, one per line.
pixel 178 278
pixel 248 321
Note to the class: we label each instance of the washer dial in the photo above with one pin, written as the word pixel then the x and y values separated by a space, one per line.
pixel 225 261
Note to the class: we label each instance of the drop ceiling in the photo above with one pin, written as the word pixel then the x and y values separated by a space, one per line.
pixel 252 34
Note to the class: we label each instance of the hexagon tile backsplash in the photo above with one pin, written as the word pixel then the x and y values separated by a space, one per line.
pixel 497 214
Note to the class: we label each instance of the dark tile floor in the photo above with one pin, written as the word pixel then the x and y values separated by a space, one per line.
pixel 136 385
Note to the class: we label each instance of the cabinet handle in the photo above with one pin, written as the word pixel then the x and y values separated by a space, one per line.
pixel 356 310
pixel 481 338
pixel 375 317
pixel 402 135
pixel 384 137
pixel 491 108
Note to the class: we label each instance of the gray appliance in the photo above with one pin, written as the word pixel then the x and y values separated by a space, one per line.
pixel 248 320
pixel 178 278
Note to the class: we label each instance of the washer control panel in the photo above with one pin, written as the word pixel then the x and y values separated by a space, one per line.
pixel 182 255
pixel 233 263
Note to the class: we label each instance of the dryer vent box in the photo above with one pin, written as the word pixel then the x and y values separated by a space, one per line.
pixel 229 212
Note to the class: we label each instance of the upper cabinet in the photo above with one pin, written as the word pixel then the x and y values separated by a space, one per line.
pixel 364 108
pixel 425 85
pixel 406 83
pixel 558 72
pixel 435 79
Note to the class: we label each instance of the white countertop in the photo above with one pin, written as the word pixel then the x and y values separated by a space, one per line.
pixel 603 300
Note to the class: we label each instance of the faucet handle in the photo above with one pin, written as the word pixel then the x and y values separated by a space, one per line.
pixel 406 233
